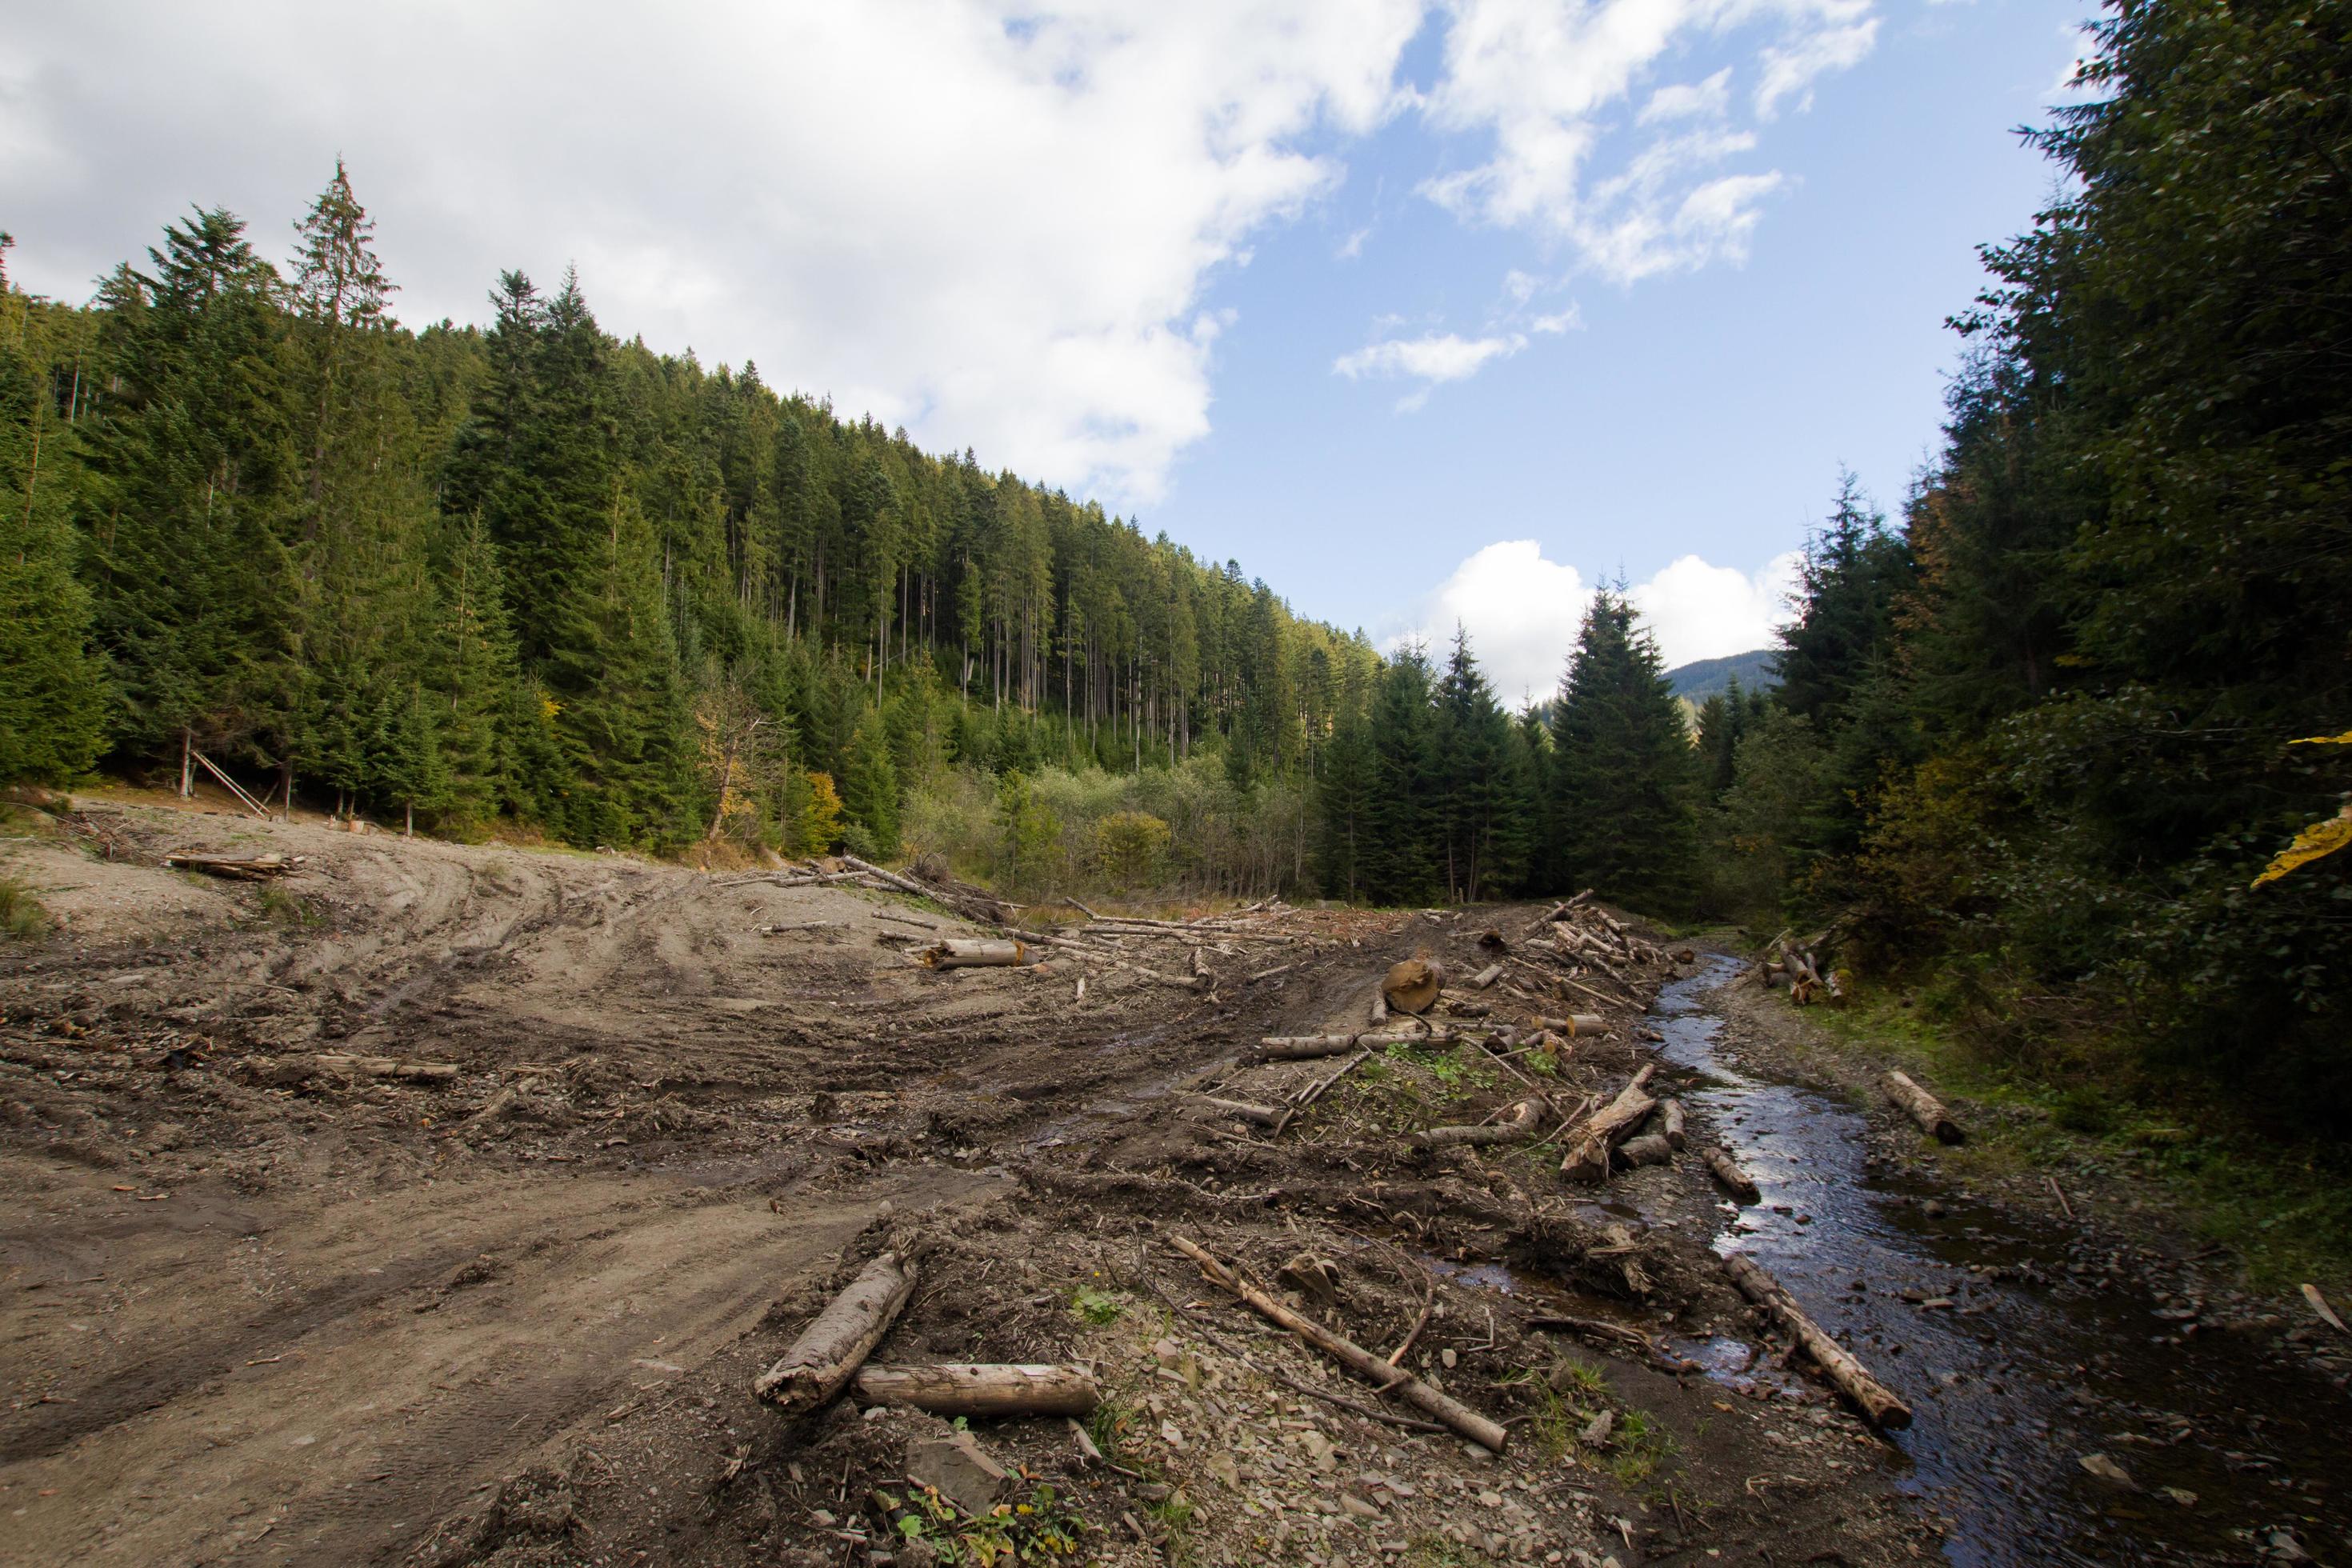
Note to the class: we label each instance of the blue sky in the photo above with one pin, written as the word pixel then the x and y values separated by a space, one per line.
pixel 1421 313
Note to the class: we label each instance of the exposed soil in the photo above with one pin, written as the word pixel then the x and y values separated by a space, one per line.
pixel 258 1312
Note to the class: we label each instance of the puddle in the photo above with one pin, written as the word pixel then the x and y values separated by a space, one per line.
pixel 2011 1383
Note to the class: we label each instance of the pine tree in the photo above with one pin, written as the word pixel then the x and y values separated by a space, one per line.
pixel 1400 860
pixel 53 692
pixel 190 575
pixel 1344 804
pixel 869 787
pixel 1483 802
pixel 1623 811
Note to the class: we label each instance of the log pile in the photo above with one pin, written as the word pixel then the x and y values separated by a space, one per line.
pixel 236 867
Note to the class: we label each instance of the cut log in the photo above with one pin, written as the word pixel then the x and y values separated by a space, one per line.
pixel 1486 977
pixel 237 868
pixel 1413 985
pixel 831 1350
pixel 1263 1115
pixel 980 1389
pixel 1670 1123
pixel 344 1065
pixel 1515 1128
pixel 892 879
pixel 1300 1047
pixel 983 952
pixel 1575 1024
pixel 1727 1173
pixel 1597 1140
pixel 1923 1108
pixel 1431 1402
pixel 1649 1149
pixel 1874 1398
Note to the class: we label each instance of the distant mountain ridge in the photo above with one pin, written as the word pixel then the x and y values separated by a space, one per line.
pixel 1704 678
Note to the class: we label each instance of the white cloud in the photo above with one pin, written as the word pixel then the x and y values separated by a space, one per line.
pixel 992 225
pixel 1522 612
pixel 1541 80
pixel 1352 247
pixel 1430 359
pixel 1690 101
pixel 1569 320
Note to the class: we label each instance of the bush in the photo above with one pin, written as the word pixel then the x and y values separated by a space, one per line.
pixel 1129 847
pixel 21 915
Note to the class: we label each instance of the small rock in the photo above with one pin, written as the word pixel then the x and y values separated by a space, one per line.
pixel 1597 1431
pixel 1934 1208
pixel 2182 1496
pixel 959 1470
pixel 1447 1358
pixel 2107 1470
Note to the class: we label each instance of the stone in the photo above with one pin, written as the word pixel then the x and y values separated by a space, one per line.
pixel 2107 1470
pixel 959 1470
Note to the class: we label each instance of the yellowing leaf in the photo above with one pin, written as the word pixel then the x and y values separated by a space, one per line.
pixel 2319 838
pixel 2342 740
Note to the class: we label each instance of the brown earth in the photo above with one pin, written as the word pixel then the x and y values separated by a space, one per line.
pixel 259 1314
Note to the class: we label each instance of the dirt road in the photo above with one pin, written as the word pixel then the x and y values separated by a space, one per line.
pixel 259 1312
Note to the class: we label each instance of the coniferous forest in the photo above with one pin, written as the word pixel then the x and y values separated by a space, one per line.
pixel 2033 741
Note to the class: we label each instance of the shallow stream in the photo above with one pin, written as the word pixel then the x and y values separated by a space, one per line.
pixel 2020 1347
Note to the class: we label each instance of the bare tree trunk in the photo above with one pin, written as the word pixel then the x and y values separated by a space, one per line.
pixel 832 1348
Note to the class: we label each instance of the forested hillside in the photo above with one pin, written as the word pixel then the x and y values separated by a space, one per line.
pixel 535 578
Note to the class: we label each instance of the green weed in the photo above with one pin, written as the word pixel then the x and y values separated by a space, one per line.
pixel 1096 1307
pixel 22 918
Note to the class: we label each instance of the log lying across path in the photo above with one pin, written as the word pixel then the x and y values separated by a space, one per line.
pixel 1874 1398
pixel 1518 1127
pixel 964 953
pixel 1298 1047
pixel 968 1388
pixel 1487 1433
pixel 1597 1140
pixel 832 1348
pixel 1923 1108
pixel 1727 1172
pixel 236 868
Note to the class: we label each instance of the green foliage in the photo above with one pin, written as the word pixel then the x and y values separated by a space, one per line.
pixel 1623 805
pixel 1096 1307
pixel 1038 1528
pixel 22 918
pixel 1025 828
pixel 1130 848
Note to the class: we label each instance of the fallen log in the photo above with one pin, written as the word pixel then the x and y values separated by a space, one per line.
pixel 1670 1123
pixel 1468 1423
pixel 1411 986
pixel 1874 1398
pixel 384 1067
pixel 1301 1048
pixel 1265 974
pixel 1486 977
pixel 980 1389
pixel 236 868
pixel 975 952
pixel 1575 1024
pixel 903 884
pixel 831 1350
pixel 1263 1115
pixel 1588 1157
pixel 1727 1172
pixel 1519 1126
pixel 1300 1102
pixel 1924 1108
pixel 1649 1149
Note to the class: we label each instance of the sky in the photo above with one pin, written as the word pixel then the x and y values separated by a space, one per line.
pixel 1427 314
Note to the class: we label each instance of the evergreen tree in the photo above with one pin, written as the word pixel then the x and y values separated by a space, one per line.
pixel 1398 861
pixel 191 579
pixel 1484 803
pixel 53 693
pixel 869 786
pixel 1624 816
pixel 1345 801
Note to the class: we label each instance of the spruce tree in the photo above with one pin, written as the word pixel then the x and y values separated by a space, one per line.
pixel 869 788
pixel 1623 780
pixel 53 691
pixel 190 496
pixel 1400 861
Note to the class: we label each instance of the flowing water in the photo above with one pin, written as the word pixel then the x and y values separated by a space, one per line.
pixel 2020 1350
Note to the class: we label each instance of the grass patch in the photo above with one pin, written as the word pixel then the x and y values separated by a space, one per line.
pixel 2283 1209
pixel 1638 1447
pixel 22 918
pixel 286 908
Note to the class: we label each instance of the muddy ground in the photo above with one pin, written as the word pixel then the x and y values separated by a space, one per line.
pixel 256 1313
